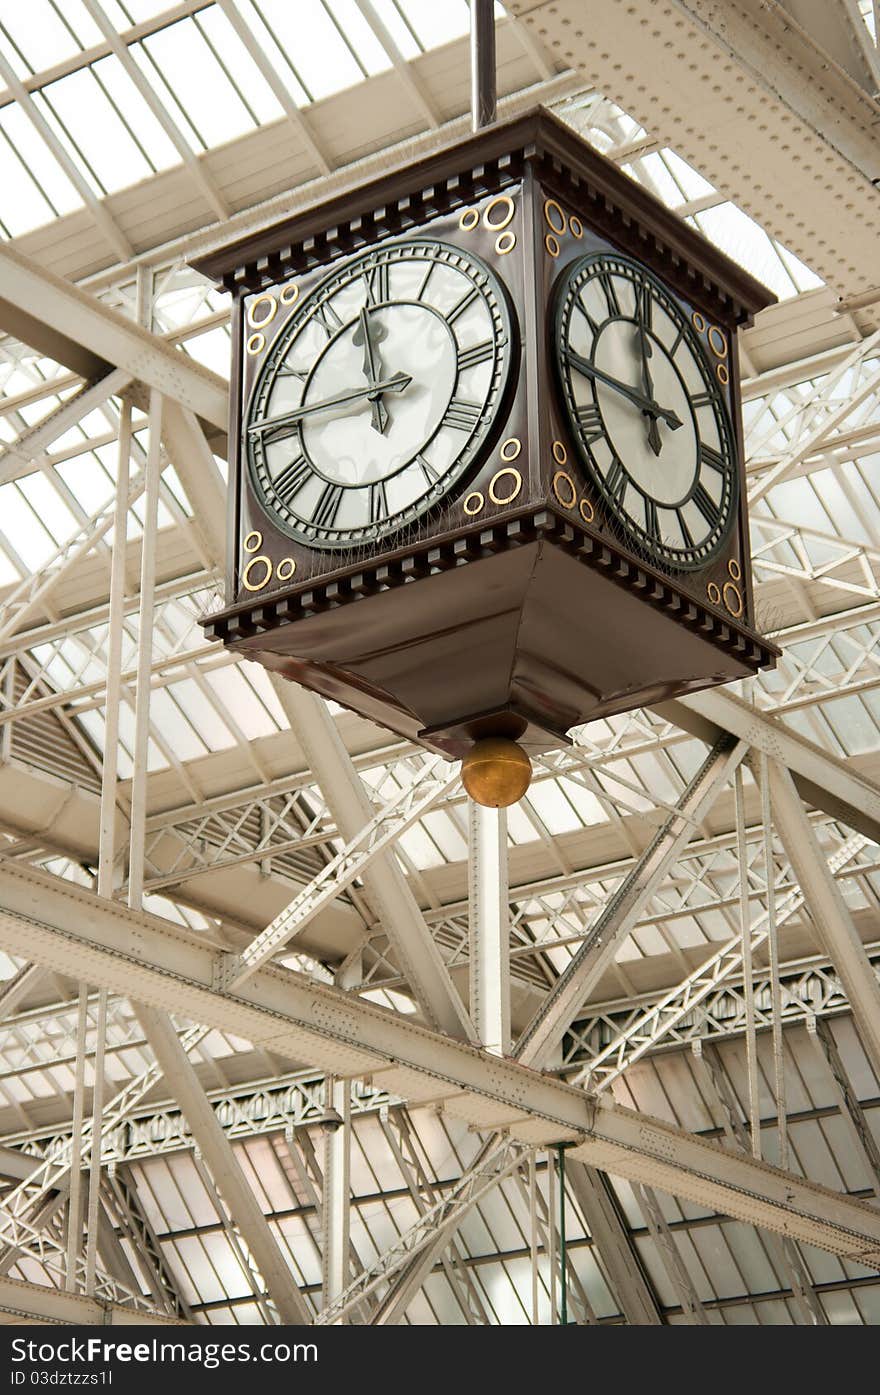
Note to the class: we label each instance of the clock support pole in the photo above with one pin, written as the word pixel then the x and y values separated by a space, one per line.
pixel 483 78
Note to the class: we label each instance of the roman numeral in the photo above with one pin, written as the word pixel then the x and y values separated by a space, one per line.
pixel 644 304
pixel 459 309
pixel 378 283
pixel 424 286
pixel 427 469
pixel 324 515
pixel 616 480
pixel 685 530
pixel 287 372
pixel 464 416
pixel 607 284
pixel 328 318
pixel 701 399
pixel 652 520
pixel 378 502
pixel 710 456
pixel 579 305
pixel 478 353
pixel 590 422
pixel 676 341
pixel 292 478
pixel 707 506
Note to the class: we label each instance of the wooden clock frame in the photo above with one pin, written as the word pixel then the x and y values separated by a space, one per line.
pixel 516 606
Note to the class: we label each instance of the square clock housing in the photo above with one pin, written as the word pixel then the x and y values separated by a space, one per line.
pixel 486 471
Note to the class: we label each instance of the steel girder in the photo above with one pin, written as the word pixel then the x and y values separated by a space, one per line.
pixel 166 966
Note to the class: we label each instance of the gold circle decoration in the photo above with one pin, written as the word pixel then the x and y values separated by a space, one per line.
pixel 554 217
pixel 718 344
pixel 563 481
pixel 722 374
pixel 698 322
pixel 560 454
pixel 474 503
pixel 256 343
pixel 713 592
pixel 551 242
pixel 586 511
pixel 510 448
pixel 575 227
pixel 505 242
pixel 289 294
pixel 504 202
pixel 733 599
pixel 285 569
pixel 516 479
pixel 469 219
pixel 253 542
pixel 734 569
pixel 260 321
pixel 246 581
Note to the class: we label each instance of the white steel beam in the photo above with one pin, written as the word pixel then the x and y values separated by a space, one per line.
pixel 37 1303
pixel 731 89
pixel 336 1199
pixel 833 923
pixel 66 926
pixel 225 1169
pixel 397 909
pixel 430 783
pixel 70 326
pixel 18 457
pixel 617 1250
pixel 574 985
pixel 823 780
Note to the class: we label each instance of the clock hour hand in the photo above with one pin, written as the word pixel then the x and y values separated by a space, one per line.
pixel 654 440
pixel 589 370
pixel 364 337
pixel 398 383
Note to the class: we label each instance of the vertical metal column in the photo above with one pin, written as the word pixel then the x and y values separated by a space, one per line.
pixel 75 1194
pixel 107 836
pixel 748 976
pixel 336 1212
pixel 483 82
pixel 489 928
pixel 773 942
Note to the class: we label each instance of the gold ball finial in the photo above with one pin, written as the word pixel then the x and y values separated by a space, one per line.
pixel 496 772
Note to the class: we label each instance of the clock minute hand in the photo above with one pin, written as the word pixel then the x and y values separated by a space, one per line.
pixel 398 383
pixel 589 370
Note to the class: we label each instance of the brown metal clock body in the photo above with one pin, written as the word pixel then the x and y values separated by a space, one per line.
pixel 486 462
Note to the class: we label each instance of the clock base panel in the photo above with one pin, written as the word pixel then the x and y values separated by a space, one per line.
pixel 524 630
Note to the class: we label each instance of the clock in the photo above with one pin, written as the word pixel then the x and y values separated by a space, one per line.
pixel 378 393
pixel 486 474
pixel 645 410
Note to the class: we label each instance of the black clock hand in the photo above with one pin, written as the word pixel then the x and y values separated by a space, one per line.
pixel 362 336
pixel 398 383
pixel 589 370
pixel 654 440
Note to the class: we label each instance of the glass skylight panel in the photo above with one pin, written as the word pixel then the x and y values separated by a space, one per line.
pixel 325 64
pixel 202 714
pixel 24 204
pixel 249 714
pixel 51 509
pixel 392 16
pixel 37 36
pixel 252 87
pixel 438 24
pixel 748 244
pixel 200 86
pixel 45 169
pixel 145 127
pixel 96 129
pixel 552 807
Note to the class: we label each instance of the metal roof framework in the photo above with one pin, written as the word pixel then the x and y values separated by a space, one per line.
pixel 688 943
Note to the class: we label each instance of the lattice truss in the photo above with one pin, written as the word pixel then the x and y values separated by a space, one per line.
pixel 691 921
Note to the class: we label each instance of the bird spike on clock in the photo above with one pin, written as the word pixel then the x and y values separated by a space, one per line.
pixel 486 468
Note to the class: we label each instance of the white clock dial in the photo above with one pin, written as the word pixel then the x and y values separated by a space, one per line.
pixel 378 392
pixel 646 410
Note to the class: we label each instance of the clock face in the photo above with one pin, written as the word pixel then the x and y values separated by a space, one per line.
pixel 377 394
pixel 646 411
